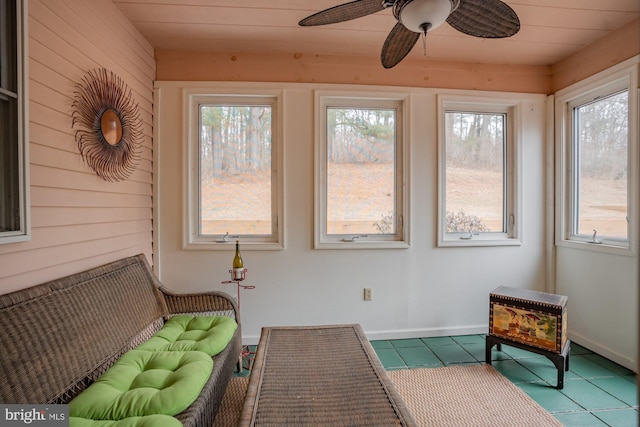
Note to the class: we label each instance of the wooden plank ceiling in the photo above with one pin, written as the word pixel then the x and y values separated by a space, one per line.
pixel 551 30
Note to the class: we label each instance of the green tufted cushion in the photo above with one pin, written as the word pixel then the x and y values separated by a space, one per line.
pixel 210 334
pixel 145 383
pixel 147 421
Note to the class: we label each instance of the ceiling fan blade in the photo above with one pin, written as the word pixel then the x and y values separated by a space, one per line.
pixel 490 19
pixel 398 44
pixel 343 12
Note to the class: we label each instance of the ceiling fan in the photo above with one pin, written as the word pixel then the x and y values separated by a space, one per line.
pixel 478 18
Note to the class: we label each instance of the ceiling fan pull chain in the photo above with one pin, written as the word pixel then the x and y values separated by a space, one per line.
pixel 424 27
pixel 424 43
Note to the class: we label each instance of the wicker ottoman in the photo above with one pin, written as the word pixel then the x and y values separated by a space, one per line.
pixel 339 381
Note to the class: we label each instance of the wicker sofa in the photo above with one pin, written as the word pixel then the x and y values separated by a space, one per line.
pixel 58 337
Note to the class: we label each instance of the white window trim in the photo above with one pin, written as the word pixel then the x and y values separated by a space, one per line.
pixel 24 234
pixel 618 77
pixel 514 216
pixel 365 100
pixel 191 98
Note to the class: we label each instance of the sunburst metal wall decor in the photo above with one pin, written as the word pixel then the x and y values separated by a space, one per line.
pixel 108 125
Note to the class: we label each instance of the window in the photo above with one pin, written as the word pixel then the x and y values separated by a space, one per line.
pixel 477 204
pixel 599 184
pixel 233 184
pixel 360 189
pixel 14 224
pixel 597 189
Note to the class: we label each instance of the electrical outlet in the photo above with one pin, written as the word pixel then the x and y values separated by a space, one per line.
pixel 367 294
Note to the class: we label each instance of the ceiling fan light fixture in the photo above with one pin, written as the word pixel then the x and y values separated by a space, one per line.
pixel 421 15
pixel 478 18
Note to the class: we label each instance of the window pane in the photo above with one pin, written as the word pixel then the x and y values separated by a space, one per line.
pixel 475 172
pixel 361 146
pixel 9 166
pixel 8 47
pixel 602 140
pixel 10 206
pixel 235 170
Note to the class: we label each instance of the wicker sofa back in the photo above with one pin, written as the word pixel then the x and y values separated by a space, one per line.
pixel 58 337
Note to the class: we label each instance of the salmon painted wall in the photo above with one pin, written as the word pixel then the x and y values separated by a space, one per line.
pixel 78 220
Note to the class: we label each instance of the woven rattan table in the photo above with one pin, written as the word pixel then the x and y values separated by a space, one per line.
pixel 320 375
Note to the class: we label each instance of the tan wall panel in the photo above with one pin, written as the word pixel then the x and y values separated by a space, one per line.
pixel 78 220
pixel 51 156
pixel 117 36
pixel 56 255
pixel 60 197
pixel 46 176
pixel 130 35
pixel 62 235
pixel 53 138
pixel 62 216
pixel 93 40
pixel 40 275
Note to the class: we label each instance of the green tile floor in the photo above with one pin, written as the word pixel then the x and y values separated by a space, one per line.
pixel 597 392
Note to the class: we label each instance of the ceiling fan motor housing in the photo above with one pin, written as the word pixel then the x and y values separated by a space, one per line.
pixel 422 15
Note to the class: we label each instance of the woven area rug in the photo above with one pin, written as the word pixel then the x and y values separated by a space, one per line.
pixel 467 396
pixel 452 396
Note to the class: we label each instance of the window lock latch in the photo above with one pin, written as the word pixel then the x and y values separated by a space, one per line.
pixel 352 238
pixel 223 239
pixel 470 235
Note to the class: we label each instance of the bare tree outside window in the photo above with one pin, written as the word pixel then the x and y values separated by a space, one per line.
pixel 361 147
pixel 601 158
pixel 475 172
pixel 235 169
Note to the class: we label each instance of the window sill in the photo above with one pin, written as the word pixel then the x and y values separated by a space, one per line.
pixel 477 242
pixel 596 247
pixel 10 237
pixel 362 244
pixel 225 246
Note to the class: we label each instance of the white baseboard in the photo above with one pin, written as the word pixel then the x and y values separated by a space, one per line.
pixel 603 351
pixel 427 332
pixel 397 334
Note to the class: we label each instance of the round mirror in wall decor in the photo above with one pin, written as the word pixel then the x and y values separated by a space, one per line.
pixel 108 125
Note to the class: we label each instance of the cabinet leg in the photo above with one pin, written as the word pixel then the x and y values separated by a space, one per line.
pixel 560 366
pixel 561 360
pixel 487 352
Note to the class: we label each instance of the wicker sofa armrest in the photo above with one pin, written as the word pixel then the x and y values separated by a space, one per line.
pixel 202 302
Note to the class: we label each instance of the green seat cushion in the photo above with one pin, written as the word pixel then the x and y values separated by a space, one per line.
pixel 209 334
pixel 147 421
pixel 145 383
